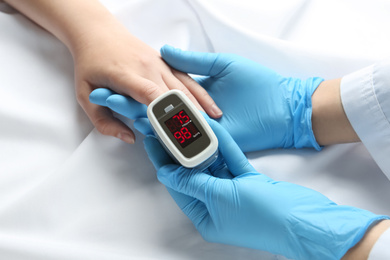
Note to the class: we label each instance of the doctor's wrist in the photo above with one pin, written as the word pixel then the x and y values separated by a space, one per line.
pixel 329 121
pixel 361 250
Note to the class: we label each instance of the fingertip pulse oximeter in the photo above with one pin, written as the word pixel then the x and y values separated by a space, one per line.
pixel 182 130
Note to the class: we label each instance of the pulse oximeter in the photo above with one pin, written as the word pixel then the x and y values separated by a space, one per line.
pixel 182 130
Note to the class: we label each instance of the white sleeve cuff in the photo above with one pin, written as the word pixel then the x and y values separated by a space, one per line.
pixel 380 250
pixel 365 96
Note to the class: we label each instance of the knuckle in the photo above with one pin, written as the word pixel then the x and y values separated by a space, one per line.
pixel 146 61
pixel 80 98
pixel 83 90
pixel 116 74
pixel 101 125
pixel 149 90
pixel 186 91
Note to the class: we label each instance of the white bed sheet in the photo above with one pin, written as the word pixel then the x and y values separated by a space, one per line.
pixel 67 192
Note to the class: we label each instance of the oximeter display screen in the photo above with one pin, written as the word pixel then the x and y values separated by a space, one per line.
pixel 182 128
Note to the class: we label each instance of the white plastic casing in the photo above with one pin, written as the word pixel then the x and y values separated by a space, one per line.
pixel 202 158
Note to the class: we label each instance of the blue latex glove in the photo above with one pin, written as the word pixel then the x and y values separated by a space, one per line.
pixel 261 108
pixel 231 203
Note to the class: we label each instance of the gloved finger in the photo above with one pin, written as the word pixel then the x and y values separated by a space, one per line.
pixel 190 182
pixel 126 106
pixel 219 169
pixel 223 173
pixel 156 152
pixel 100 95
pixel 235 159
pixel 206 83
pixel 201 63
pixel 143 126
pixel 185 181
pixel 181 200
pixel 194 209
pixel 159 158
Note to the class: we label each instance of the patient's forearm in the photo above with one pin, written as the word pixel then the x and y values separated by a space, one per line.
pixel 71 21
pixel 329 121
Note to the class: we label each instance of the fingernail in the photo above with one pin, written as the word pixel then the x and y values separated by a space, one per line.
pixel 216 111
pixel 126 138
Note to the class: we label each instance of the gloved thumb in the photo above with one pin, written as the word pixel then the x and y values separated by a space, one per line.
pixel 143 126
pixel 156 152
pixel 190 182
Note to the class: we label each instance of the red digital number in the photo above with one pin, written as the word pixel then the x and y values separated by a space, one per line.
pixel 179 137
pixel 186 133
pixel 175 125
pixel 184 117
pixel 176 119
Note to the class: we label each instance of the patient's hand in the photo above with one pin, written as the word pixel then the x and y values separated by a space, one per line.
pixel 107 55
pixel 115 59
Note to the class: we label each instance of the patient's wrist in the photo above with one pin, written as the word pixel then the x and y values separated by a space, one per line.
pixel 96 26
pixel 71 21
pixel 361 250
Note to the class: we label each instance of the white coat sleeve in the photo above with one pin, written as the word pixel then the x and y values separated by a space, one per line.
pixel 380 251
pixel 365 96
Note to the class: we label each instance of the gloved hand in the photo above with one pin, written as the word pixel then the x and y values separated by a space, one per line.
pixel 261 109
pixel 231 203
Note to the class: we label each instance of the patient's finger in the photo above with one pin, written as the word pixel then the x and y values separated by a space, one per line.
pixel 101 117
pixel 126 106
pixel 200 94
pixel 106 124
pixel 201 63
pixel 100 95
